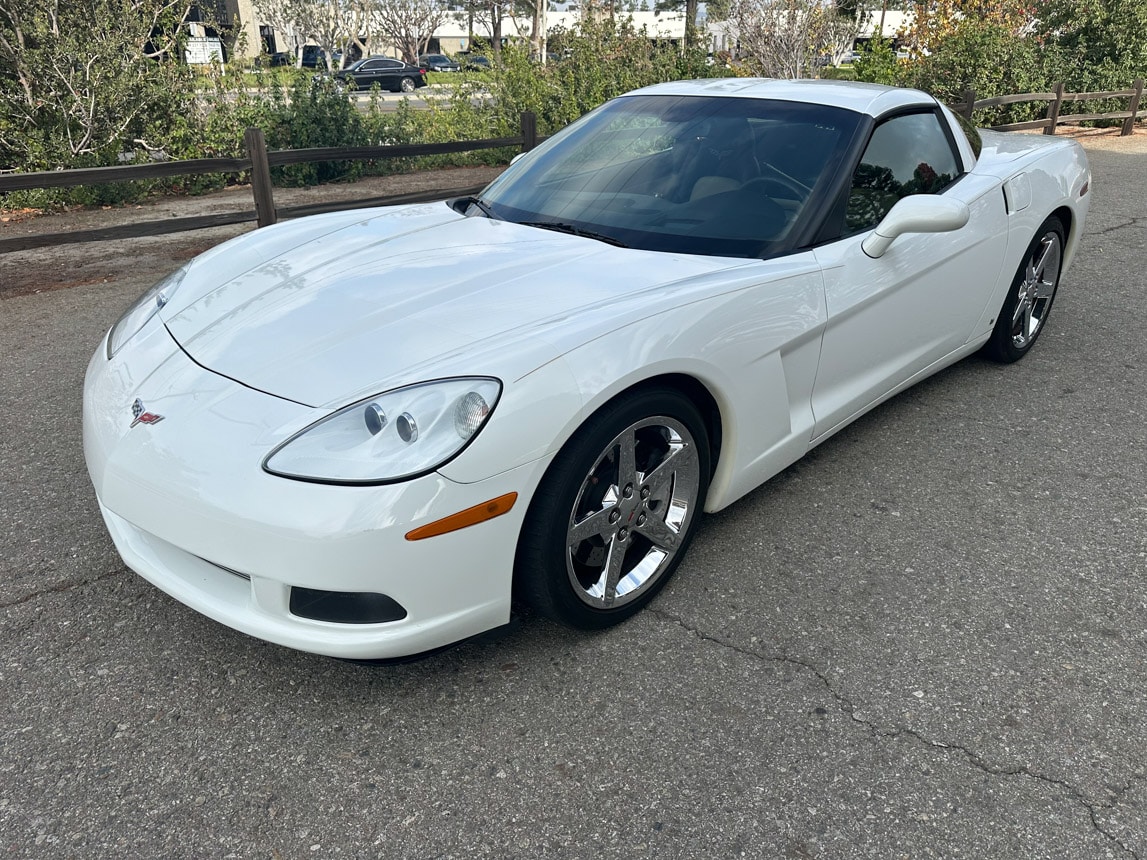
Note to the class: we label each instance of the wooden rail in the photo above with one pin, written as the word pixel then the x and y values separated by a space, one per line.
pixel 259 162
pixel 1056 100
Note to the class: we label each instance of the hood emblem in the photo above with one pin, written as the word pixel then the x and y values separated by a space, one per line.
pixel 141 415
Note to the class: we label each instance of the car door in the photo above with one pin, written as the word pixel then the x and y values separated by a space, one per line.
pixel 390 74
pixel 892 317
pixel 372 72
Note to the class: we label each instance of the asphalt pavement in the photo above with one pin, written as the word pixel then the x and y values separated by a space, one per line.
pixel 926 639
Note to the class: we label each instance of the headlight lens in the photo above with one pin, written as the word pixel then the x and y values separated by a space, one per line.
pixel 145 307
pixel 391 437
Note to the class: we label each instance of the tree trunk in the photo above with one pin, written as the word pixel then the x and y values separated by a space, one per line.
pixel 496 28
pixel 691 35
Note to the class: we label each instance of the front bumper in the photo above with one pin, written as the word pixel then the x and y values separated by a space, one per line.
pixel 191 510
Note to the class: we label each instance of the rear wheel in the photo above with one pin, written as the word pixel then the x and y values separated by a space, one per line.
pixel 617 509
pixel 406 85
pixel 1028 304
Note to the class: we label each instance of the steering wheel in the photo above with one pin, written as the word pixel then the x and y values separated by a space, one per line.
pixel 797 190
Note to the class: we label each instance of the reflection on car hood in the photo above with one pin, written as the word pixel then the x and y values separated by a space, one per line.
pixel 320 316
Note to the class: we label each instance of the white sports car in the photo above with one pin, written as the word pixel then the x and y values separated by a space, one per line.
pixel 363 434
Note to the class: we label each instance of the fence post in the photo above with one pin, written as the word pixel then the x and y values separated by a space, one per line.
pixel 969 104
pixel 260 177
pixel 529 130
pixel 1053 110
pixel 1129 123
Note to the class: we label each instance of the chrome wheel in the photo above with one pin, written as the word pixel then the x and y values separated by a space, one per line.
pixel 1028 302
pixel 632 511
pixel 614 513
pixel 407 85
pixel 1036 291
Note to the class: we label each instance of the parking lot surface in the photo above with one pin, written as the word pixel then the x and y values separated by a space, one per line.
pixel 926 639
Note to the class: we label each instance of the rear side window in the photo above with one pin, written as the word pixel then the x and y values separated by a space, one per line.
pixel 908 154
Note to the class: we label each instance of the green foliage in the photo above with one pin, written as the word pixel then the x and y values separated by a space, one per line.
pixel 80 82
pixel 986 57
pixel 877 64
pixel 142 108
pixel 1103 38
pixel 838 73
pixel 1088 45
pixel 599 61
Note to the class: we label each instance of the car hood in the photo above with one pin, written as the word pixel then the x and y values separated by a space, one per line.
pixel 323 313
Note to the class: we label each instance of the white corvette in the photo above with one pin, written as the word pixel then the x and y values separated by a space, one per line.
pixel 362 434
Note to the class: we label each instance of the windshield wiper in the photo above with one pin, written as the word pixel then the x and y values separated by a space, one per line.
pixel 462 204
pixel 560 227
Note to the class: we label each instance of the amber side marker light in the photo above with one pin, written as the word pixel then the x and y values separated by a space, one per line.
pixel 1086 187
pixel 464 519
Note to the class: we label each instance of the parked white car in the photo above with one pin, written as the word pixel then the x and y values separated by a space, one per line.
pixel 363 434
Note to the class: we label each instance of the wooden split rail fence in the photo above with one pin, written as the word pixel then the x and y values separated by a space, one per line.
pixel 1056 100
pixel 259 162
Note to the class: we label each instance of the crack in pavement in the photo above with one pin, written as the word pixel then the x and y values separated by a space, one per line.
pixel 849 708
pixel 58 588
pixel 1134 222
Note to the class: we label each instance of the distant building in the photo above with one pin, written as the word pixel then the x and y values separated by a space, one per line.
pixel 233 22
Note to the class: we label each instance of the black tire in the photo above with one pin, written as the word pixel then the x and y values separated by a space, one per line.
pixel 1028 303
pixel 406 85
pixel 604 498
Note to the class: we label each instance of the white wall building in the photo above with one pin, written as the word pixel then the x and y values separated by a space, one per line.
pixel 452 36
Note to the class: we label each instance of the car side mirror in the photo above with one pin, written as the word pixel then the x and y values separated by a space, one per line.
pixel 917 213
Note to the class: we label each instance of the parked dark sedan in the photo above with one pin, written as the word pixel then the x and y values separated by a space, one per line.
pixel 393 75
pixel 438 63
pixel 478 63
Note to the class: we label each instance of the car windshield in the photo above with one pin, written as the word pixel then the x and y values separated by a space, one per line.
pixel 689 174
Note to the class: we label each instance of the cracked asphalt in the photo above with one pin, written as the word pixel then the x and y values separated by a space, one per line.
pixel 926 639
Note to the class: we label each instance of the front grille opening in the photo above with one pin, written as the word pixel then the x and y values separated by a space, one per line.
pixel 345 607
pixel 227 569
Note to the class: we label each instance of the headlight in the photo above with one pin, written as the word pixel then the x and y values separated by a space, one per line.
pixel 391 437
pixel 145 307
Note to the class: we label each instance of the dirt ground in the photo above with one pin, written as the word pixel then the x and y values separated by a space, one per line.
pixel 63 266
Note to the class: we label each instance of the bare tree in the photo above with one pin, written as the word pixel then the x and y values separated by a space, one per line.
pixel 288 17
pixel 81 80
pixel 409 24
pixel 333 25
pixel 785 38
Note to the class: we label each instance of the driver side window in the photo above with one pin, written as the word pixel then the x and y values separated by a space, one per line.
pixel 908 154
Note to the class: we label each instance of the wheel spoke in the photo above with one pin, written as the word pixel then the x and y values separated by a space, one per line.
pixel 679 457
pixel 1029 322
pixel 1044 290
pixel 659 533
pixel 626 458
pixel 1023 312
pixel 612 572
pixel 596 523
pixel 1040 266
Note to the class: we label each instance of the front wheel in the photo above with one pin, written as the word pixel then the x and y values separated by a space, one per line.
pixel 406 85
pixel 1028 303
pixel 615 512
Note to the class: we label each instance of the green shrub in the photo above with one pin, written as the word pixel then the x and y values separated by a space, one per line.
pixel 877 64
pixel 838 73
pixel 991 60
